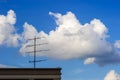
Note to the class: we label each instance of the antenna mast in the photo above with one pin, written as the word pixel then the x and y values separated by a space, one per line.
pixel 34 51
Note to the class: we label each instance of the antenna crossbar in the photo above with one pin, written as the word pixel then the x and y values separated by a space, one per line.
pixel 37 61
pixel 37 51
pixel 36 45
pixel 36 38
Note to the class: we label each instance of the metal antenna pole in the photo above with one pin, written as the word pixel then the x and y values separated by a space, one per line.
pixel 34 52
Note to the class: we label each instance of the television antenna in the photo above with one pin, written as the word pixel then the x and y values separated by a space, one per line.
pixel 35 51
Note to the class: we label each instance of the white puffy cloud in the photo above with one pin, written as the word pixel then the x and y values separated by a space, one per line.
pixel 112 75
pixel 29 31
pixel 8 33
pixel 71 40
pixel 99 28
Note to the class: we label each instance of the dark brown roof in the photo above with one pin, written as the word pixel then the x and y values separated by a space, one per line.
pixel 30 71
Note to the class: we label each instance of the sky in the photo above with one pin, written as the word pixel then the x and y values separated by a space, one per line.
pixel 82 36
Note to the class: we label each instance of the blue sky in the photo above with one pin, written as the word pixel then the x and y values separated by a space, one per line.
pixel 36 13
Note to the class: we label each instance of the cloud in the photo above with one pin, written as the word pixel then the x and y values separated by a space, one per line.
pixel 78 71
pixel 6 66
pixel 117 44
pixel 72 40
pixel 112 75
pixel 89 60
pixel 2 66
pixel 8 35
pixel 29 31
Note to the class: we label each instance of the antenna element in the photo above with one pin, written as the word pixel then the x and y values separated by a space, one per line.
pixel 34 51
